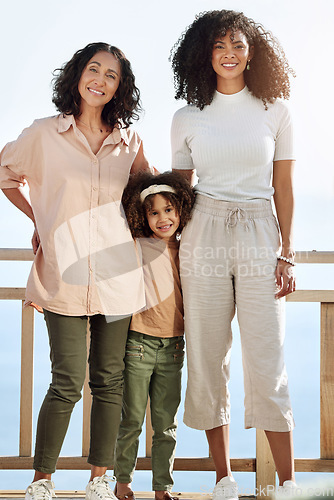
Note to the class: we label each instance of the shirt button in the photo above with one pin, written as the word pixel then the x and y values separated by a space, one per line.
pixel 94 188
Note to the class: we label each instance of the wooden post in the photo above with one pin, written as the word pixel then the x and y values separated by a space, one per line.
pixel 265 467
pixel 27 370
pixel 87 403
pixel 149 431
pixel 327 381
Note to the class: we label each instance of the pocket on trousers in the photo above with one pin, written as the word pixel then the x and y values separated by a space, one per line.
pixel 134 351
pixel 179 351
pixel 178 357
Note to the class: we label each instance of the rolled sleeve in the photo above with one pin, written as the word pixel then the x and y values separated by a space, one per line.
pixel 10 177
pixel 19 159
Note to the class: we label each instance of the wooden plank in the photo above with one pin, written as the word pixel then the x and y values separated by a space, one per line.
pixel 7 293
pixel 81 494
pixel 87 404
pixel 143 495
pixel 207 464
pixel 314 257
pixel 302 257
pixel 313 465
pixel 201 464
pixel 26 396
pixel 148 430
pixel 311 296
pixel 16 254
pixel 143 463
pixel 265 467
pixel 180 464
pixel 327 381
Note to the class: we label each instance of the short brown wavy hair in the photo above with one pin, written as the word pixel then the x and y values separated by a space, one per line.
pixel 121 110
pixel 135 210
pixel 194 78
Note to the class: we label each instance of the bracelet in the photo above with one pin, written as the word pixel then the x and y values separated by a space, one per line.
pixel 289 261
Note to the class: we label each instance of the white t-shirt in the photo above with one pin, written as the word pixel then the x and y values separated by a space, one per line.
pixel 232 144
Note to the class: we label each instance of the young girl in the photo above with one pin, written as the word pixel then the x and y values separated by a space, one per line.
pixel 157 208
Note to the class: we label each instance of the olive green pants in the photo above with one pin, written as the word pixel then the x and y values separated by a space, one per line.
pixel 68 354
pixel 153 367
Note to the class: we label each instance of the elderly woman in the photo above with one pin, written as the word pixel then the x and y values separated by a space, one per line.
pixel 86 271
pixel 236 134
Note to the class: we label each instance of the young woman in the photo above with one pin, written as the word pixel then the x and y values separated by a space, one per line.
pixel 237 136
pixel 76 165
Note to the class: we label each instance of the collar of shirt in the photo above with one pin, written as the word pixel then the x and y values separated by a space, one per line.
pixel 116 136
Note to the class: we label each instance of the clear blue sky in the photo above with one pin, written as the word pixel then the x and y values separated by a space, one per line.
pixel 39 36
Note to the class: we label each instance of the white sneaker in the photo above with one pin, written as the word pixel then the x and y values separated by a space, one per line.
pixel 225 489
pixel 99 489
pixel 288 489
pixel 43 489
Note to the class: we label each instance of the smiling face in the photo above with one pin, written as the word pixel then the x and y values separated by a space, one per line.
pixel 162 218
pixel 99 80
pixel 229 60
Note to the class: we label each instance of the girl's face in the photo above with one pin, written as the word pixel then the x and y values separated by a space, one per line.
pixel 229 60
pixel 162 218
pixel 99 80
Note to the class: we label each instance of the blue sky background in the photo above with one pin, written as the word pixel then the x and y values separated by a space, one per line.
pixel 39 36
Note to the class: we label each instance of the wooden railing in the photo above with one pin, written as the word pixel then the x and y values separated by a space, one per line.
pixel 262 464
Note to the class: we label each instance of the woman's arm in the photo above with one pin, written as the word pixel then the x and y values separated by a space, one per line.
pixel 16 196
pixel 284 204
pixel 140 163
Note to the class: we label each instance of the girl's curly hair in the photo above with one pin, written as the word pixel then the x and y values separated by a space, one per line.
pixel 135 209
pixel 194 77
pixel 121 110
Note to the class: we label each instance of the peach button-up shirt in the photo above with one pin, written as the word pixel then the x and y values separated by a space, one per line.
pixel 87 262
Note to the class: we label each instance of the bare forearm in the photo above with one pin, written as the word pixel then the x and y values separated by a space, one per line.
pixel 140 163
pixel 16 196
pixel 284 203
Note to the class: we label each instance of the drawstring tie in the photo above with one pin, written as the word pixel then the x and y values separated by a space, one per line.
pixel 237 215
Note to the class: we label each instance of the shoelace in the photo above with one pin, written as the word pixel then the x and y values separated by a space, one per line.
pixel 101 487
pixel 41 491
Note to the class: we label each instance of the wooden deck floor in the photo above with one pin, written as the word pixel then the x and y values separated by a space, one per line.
pixel 69 495
pixel 142 495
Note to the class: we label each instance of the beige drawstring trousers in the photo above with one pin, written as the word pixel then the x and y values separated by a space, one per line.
pixel 228 257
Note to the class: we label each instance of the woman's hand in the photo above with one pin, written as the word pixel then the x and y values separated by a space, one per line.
pixel 35 241
pixel 285 279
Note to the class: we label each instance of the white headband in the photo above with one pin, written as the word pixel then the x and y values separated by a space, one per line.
pixel 155 189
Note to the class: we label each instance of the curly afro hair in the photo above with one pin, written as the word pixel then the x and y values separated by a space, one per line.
pixel 194 78
pixel 121 110
pixel 135 209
